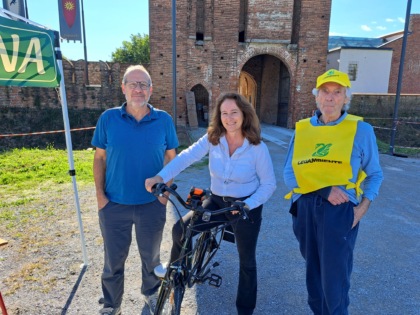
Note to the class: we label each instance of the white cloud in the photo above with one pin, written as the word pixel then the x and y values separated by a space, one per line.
pixel 401 20
pixel 365 28
pixel 381 28
pixel 389 20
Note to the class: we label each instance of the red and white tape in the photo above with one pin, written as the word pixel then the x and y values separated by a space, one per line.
pixel 42 132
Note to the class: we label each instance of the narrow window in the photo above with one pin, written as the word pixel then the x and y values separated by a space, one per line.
pixel 352 70
pixel 200 18
pixel 243 11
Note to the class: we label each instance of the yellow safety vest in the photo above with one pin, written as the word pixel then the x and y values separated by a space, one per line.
pixel 321 156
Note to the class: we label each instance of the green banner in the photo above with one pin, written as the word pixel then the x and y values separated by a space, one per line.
pixel 27 55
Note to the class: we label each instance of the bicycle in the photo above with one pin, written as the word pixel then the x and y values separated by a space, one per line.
pixel 194 265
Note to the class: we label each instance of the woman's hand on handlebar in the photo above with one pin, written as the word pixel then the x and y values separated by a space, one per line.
pixel 234 212
pixel 151 181
pixel 244 209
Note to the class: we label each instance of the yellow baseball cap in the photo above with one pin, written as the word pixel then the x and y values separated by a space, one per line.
pixel 333 75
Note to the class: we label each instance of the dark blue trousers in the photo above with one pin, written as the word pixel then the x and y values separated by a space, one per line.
pixel 326 242
pixel 246 236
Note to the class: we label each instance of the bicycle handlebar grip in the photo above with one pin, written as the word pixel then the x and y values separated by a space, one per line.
pixel 243 208
pixel 158 189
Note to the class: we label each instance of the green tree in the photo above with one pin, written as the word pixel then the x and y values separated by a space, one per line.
pixel 135 52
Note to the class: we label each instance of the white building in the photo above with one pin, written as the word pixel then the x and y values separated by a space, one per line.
pixel 369 68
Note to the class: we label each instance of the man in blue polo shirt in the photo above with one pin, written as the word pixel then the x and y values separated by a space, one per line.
pixel 133 142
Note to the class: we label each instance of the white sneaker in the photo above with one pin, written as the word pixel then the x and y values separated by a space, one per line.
pixel 160 270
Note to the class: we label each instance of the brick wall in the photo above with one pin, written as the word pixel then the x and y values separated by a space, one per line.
pixel 28 110
pixel 378 110
pixel 270 20
pixel 280 36
pixel 410 82
pixel 294 32
pixel 103 92
pixel 312 22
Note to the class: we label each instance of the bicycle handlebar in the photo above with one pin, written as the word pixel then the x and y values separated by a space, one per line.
pixel 160 188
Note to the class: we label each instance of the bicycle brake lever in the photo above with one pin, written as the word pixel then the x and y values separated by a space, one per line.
pixel 246 214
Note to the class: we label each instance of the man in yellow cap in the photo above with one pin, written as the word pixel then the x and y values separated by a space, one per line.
pixel 329 157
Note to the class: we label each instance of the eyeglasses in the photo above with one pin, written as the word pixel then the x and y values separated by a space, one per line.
pixel 134 84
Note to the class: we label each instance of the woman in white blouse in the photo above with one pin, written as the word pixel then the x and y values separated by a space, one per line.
pixel 240 167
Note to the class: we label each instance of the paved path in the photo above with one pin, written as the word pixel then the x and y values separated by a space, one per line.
pixel 276 135
pixel 385 281
pixel 386 276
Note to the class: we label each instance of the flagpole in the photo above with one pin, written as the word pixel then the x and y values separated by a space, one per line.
pixel 72 171
pixel 84 46
pixel 399 81
pixel 174 100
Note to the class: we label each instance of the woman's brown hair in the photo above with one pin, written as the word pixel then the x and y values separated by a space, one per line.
pixel 250 127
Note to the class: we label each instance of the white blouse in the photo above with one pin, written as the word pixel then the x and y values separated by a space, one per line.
pixel 248 172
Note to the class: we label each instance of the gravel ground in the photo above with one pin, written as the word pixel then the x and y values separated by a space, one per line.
pixel 46 277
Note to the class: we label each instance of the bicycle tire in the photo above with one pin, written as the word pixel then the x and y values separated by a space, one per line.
pixel 170 298
pixel 178 296
pixel 163 303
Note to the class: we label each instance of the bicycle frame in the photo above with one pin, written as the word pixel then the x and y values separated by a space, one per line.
pixel 193 265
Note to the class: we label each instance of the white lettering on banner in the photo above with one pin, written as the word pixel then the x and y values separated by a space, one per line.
pixel 34 43
pixel 9 66
pixel 34 48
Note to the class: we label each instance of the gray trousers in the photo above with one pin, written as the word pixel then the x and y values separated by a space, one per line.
pixel 116 222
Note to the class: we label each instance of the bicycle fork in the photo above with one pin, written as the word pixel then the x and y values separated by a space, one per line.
pixel 171 293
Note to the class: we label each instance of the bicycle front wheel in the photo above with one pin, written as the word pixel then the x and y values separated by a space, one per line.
pixel 170 299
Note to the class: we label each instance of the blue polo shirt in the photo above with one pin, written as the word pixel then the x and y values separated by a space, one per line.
pixel 134 151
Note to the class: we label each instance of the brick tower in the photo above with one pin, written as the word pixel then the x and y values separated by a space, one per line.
pixel 269 51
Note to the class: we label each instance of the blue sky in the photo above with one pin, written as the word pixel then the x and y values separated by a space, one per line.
pixel 369 18
pixel 108 22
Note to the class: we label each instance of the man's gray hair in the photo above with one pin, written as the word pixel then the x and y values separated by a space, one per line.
pixel 136 67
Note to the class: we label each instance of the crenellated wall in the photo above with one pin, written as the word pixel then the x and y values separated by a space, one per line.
pixel 102 92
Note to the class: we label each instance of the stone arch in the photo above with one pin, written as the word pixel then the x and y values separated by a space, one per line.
pixel 281 52
pixel 272 77
pixel 202 104
pixel 287 58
